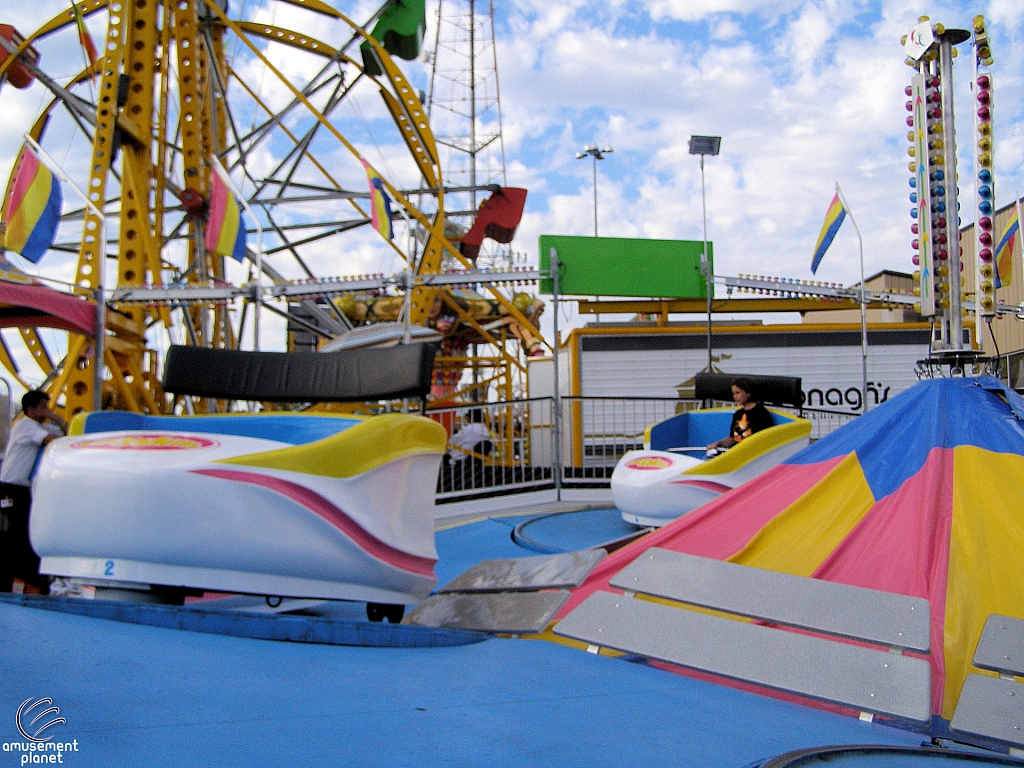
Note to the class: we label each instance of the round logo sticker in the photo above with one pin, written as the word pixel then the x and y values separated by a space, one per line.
pixel 148 443
pixel 649 462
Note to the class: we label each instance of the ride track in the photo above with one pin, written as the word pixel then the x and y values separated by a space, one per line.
pixel 169 98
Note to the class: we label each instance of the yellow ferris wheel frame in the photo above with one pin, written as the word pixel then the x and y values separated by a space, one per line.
pixel 133 115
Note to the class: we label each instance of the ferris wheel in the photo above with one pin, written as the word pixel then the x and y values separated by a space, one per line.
pixel 306 119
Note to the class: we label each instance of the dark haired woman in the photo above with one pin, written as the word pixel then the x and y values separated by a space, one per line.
pixel 750 418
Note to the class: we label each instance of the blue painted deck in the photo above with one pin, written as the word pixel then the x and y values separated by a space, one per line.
pixel 136 695
pixel 143 695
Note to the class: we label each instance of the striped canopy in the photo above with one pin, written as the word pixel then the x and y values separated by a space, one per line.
pixel 921 496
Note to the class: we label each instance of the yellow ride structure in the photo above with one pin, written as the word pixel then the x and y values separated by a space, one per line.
pixel 160 104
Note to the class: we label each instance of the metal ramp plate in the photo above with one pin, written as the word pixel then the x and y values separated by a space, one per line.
pixel 991 707
pixel 525 574
pixel 1001 647
pixel 513 613
pixel 836 609
pixel 871 681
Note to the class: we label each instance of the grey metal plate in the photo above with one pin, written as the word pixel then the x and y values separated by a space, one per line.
pixel 872 681
pixel 525 574
pixel 513 613
pixel 991 707
pixel 836 609
pixel 1001 647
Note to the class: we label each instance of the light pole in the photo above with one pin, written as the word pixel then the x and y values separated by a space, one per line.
pixel 706 145
pixel 597 154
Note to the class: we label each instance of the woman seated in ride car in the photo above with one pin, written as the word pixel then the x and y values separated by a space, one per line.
pixel 750 418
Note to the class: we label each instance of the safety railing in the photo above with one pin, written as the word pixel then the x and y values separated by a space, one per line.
pixel 510 447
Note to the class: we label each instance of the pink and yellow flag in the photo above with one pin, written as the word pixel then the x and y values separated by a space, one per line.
pixel 1004 249
pixel 833 220
pixel 225 229
pixel 380 203
pixel 31 211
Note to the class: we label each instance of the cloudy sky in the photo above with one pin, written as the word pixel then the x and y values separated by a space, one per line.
pixel 803 93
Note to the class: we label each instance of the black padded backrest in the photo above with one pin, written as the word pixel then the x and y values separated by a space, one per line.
pixel 348 375
pixel 774 390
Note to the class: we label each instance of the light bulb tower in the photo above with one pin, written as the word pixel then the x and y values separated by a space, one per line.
pixel 935 216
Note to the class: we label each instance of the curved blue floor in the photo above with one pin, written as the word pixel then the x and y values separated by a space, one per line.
pixel 570 531
pixel 460 547
pixel 140 695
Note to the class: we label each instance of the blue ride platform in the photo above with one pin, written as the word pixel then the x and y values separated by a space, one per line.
pixel 136 694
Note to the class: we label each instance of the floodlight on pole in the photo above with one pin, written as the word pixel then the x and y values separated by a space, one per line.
pixel 591 150
pixel 706 145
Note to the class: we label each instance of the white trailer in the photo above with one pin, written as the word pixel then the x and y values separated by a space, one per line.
pixel 648 362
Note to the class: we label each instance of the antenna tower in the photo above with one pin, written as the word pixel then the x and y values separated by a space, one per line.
pixel 464 108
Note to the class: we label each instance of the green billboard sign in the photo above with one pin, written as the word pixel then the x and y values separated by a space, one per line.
pixel 623 266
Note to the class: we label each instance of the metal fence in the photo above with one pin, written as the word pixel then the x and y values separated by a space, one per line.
pixel 519 452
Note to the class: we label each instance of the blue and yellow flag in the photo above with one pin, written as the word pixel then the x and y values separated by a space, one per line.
pixel 833 220
pixel 380 203
pixel 31 211
pixel 1004 249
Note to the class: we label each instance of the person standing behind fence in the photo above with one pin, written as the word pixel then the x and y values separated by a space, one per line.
pixel 38 428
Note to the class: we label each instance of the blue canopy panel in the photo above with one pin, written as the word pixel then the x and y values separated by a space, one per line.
pixel 975 411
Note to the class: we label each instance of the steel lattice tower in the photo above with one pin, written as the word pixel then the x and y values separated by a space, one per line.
pixel 464 108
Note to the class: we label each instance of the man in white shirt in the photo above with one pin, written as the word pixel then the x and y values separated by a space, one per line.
pixel 39 427
pixel 471 435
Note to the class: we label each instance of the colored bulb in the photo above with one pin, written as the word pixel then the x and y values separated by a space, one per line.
pixel 913 212
pixel 983 97
pixel 913 228
pixel 940 191
pixel 983 81
pixel 940 223
pixel 913 181
pixel 984 113
pixel 916 259
pixel 985 207
pixel 985 222
pixel 940 239
pixel 985 254
pixel 985 238
pixel 985 176
pixel 985 191
pixel 913 197
pixel 915 245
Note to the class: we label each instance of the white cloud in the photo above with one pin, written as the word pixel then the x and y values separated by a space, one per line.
pixel 804 93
